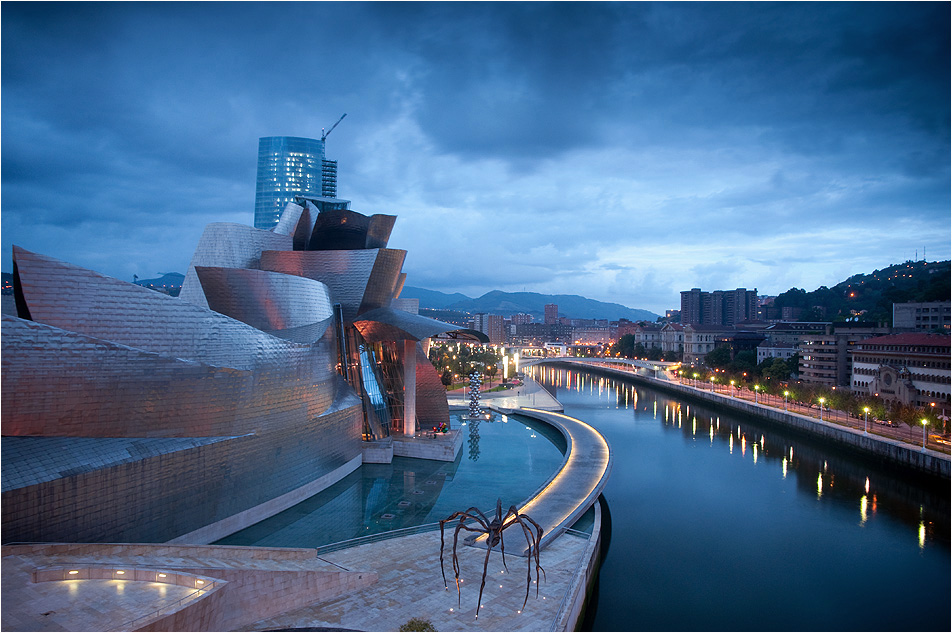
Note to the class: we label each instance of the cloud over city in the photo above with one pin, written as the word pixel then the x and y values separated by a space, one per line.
pixel 621 151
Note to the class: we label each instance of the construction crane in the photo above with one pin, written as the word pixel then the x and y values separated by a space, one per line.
pixel 324 134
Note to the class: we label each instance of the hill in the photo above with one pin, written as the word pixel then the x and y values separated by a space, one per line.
pixel 872 295
pixel 506 303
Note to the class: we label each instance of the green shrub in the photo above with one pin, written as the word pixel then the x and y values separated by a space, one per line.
pixel 417 624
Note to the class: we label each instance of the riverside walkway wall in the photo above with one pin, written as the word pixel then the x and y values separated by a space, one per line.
pixel 890 451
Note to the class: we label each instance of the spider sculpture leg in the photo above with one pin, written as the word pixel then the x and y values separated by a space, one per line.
pixel 463 516
pixel 533 541
pixel 489 550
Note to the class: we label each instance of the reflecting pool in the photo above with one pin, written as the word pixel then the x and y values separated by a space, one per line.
pixel 509 457
pixel 724 523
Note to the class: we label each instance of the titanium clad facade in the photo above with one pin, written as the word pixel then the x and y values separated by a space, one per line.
pixel 229 246
pixel 132 416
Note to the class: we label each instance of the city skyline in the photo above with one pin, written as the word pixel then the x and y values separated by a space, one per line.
pixel 624 152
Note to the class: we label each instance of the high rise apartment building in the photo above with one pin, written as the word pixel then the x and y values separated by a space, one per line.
pixel 290 166
pixel 720 307
pixel 492 325
pixel 551 313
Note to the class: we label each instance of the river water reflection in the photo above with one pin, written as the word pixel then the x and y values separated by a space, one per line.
pixel 725 523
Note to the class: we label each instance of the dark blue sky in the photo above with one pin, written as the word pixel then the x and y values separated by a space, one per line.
pixel 623 151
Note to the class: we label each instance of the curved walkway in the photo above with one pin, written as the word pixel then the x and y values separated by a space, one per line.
pixel 573 490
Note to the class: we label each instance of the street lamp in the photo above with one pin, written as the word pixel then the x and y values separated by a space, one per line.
pixel 866 420
pixel 695 379
pixel 925 423
pixel 822 400
pixel 712 384
pixel 756 391
pixel 785 394
pixel 732 389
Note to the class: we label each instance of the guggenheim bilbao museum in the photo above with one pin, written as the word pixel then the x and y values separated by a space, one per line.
pixel 133 416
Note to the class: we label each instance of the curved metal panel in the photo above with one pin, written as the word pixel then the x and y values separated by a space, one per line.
pixel 345 230
pixel 229 245
pixel 345 273
pixel 388 324
pixel 80 300
pixel 264 299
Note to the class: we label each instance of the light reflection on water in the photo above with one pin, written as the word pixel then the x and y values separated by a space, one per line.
pixel 776 524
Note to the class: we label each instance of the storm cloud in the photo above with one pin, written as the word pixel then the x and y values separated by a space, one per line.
pixel 623 151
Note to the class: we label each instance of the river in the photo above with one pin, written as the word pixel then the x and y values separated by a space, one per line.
pixel 726 523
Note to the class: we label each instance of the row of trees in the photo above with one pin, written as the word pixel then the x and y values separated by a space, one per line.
pixel 455 361
pixel 775 376
pixel 626 347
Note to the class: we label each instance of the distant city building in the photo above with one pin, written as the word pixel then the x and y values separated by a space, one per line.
pixel 720 307
pixel 648 335
pixel 521 319
pixel 911 369
pixel 770 350
pixel 825 359
pixel 492 325
pixel 672 338
pixel 922 317
pixel 591 334
pixel 290 166
pixel 699 340
pixel 539 333
pixel 551 313
pixel 620 328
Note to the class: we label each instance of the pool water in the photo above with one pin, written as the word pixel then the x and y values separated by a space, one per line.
pixel 508 458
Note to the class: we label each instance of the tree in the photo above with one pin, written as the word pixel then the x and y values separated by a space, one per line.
pixel 719 357
pixel 446 378
pixel 624 346
pixel 491 370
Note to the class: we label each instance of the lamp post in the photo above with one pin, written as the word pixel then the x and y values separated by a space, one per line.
pixel 712 384
pixel 695 380
pixel 785 394
pixel 866 420
pixel 732 389
pixel 756 391
pixel 822 400
pixel 925 423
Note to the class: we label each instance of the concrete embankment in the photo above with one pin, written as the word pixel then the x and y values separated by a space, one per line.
pixel 890 451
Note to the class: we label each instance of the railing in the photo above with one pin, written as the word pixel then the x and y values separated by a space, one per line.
pixel 382 536
pixel 568 590
pixel 131 625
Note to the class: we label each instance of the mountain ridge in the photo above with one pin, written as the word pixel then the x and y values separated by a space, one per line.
pixel 507 303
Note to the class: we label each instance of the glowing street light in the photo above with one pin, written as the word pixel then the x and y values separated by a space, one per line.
pixel 732 389
pixel 925 423
pixel 712 384
pixel 822 400
pixel 785 394
pixel 695 379
pixel 866 420
pixel 756 391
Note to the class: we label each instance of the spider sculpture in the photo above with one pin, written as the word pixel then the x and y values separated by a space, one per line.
pixel 493 530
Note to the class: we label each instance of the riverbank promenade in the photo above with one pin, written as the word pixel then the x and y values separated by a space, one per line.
pixel 886 443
